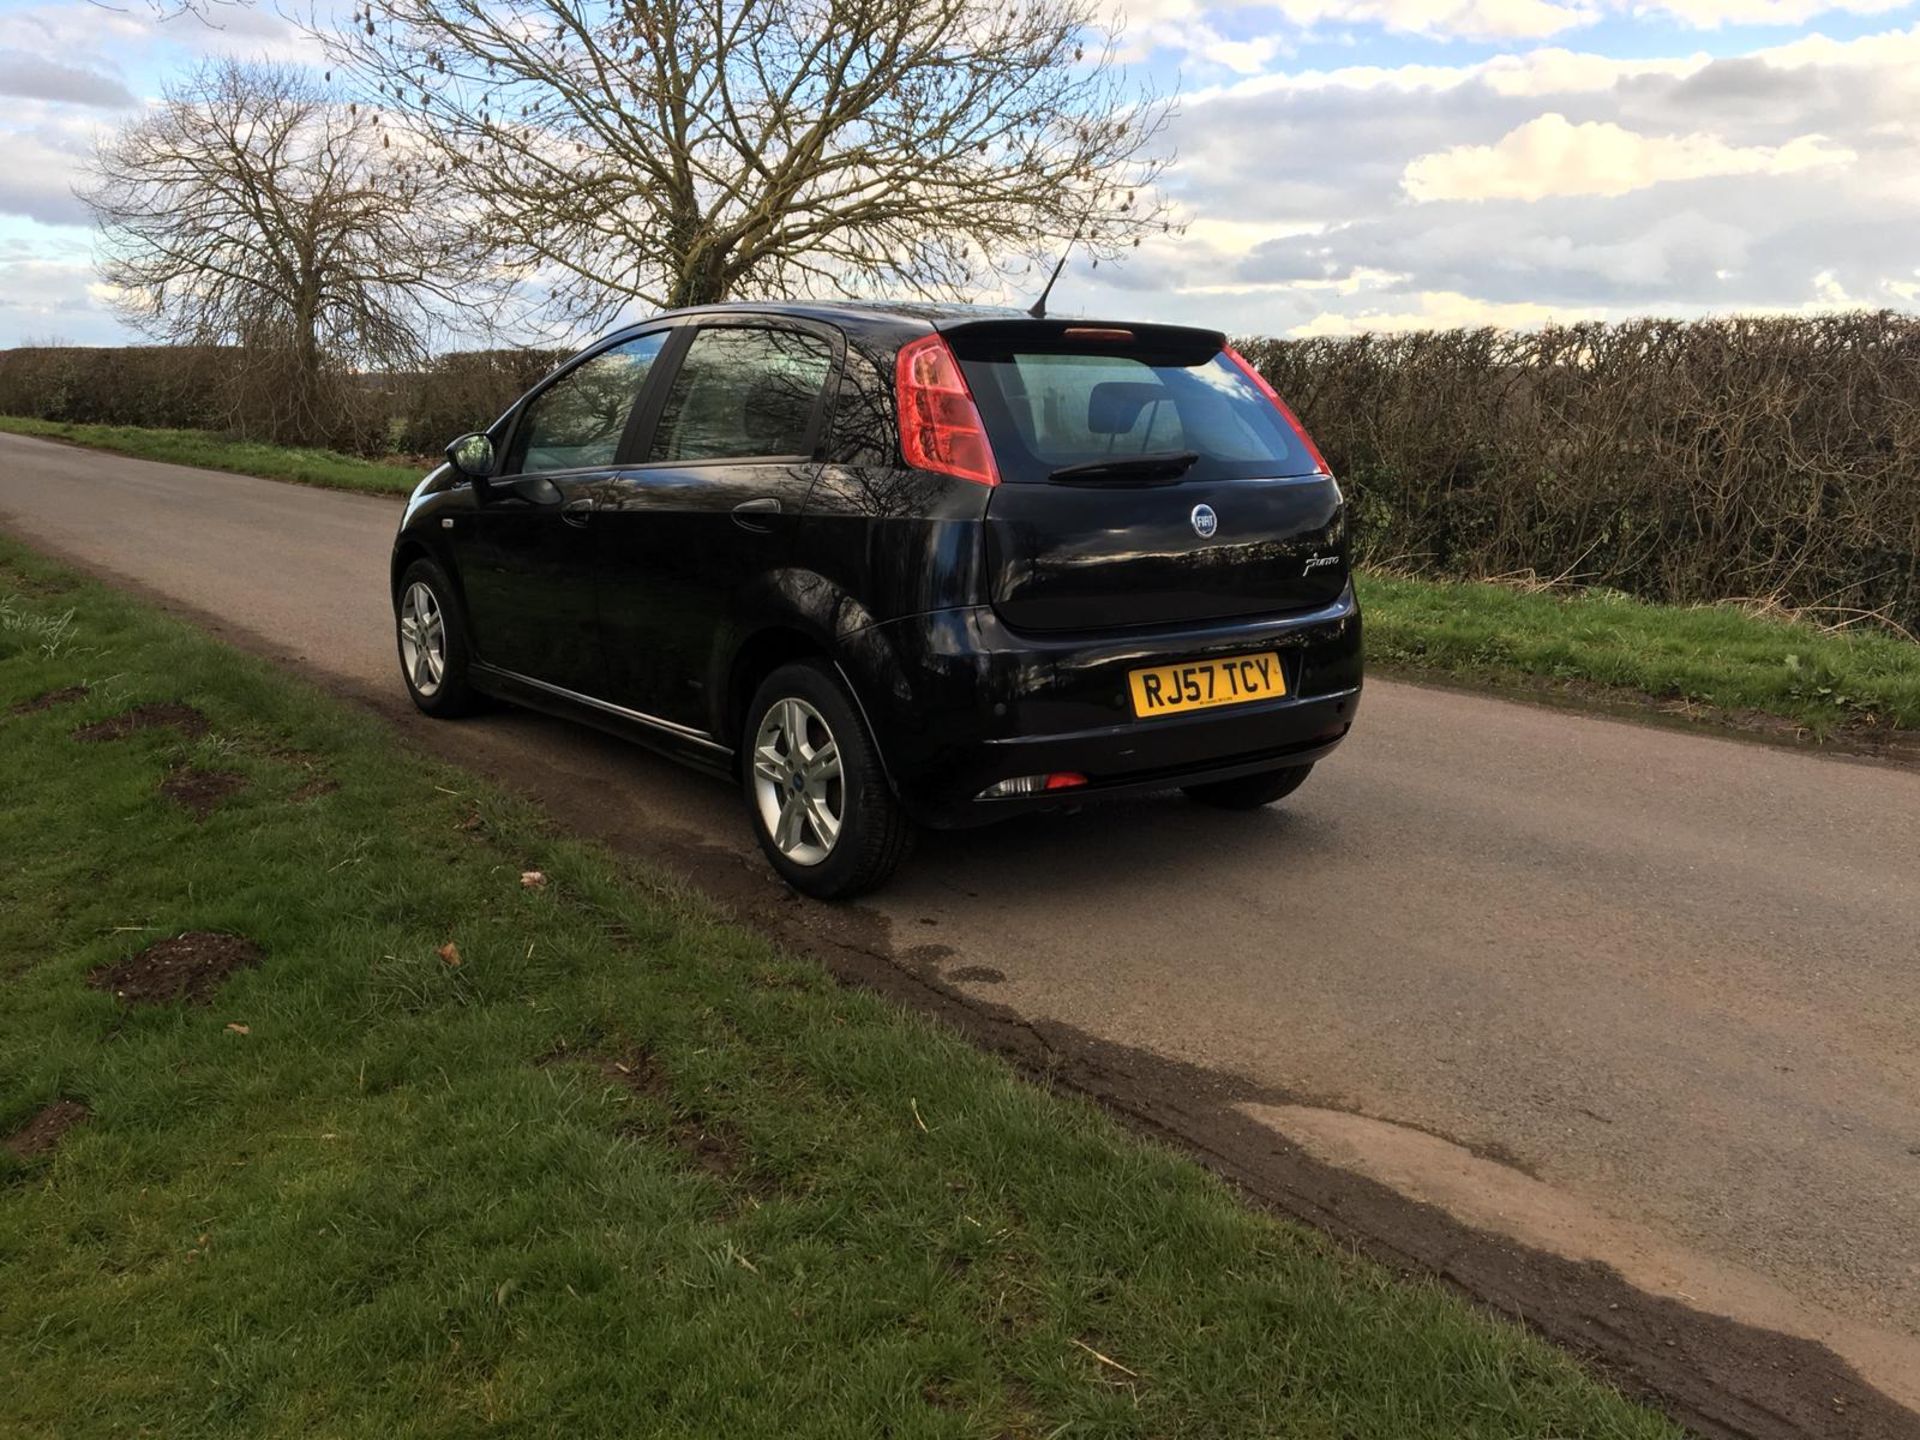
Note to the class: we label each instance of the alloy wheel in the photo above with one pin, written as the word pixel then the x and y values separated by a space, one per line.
pixel 423 638
pixel 797 781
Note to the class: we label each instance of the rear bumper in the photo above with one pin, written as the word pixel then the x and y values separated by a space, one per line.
pixel 959 701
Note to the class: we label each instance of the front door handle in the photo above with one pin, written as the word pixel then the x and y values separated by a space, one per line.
pixel 578 510
pixel 754 514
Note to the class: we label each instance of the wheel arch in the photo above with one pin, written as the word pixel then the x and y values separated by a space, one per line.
pixel 779 642
pixel 406 550
pixel 409 548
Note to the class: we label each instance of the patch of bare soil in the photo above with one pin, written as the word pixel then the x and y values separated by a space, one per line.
pixel 65 695
pixel 44 1132
pixel 316 787
pixel 35 585
pixel 189 967
pixel 638 1071
pixel 708 1145
pixel 201 791
pixel 978 975
pixel 153 715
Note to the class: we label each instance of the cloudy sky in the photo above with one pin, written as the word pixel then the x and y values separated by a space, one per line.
pixel 1343 164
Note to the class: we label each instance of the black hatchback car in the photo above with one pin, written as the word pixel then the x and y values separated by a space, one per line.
pixel 898 565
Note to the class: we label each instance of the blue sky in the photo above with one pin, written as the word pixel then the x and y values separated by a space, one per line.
pixel 1342 164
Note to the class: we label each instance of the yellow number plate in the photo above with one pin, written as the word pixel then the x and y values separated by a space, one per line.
pixel 1203 684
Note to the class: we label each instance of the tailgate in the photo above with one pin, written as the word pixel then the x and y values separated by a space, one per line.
pixel 1088 558
pixel 1147 478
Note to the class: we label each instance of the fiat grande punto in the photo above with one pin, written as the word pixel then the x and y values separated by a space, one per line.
pixel 891 566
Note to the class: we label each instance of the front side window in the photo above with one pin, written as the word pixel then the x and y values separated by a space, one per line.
pixel 576 422
pixel 742 393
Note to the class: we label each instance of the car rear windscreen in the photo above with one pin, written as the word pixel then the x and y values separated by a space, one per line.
pixel 1048 408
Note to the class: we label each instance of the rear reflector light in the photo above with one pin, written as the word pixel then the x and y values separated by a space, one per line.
pixel 1273 395
pixel 940 427
pixel 1034 785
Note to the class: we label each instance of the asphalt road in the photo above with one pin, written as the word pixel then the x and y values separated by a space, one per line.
pixel 1664 987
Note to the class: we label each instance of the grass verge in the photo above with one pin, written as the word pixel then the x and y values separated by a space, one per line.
pixel 1856 682
pixel 211 451
pixel 463 1155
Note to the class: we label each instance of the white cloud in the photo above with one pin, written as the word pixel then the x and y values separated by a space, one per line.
pixel 1199 30
pixel 1894 50
pixel 1712 14
pixel 46 151
pixel 1552 156
pixel 1545 71
pixel 1444 310
pixel 43 299
pixel 34 77
pixel 69 30
pixel 1568 72
pixel 1198 40
pixel 1464 19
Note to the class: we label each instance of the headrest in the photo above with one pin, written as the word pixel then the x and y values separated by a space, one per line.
pixel 1114 406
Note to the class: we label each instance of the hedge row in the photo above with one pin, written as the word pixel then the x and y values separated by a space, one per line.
pixel 184 387
pixel 1677 461
pixel 1774 458
pixel 220 388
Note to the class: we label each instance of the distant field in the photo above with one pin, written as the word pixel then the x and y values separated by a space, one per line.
pixel 1858 683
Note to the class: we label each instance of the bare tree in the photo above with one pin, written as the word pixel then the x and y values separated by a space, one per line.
pixel 250 208
pixel 685 151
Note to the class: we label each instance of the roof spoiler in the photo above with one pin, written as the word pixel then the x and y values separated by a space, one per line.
pixel 1014 331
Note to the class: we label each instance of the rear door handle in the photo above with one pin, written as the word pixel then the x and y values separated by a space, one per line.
pixel 754 514
pixel 578 510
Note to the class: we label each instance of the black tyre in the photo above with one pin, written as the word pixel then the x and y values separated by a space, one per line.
pixel 815 791
pixel 431 632
pixel 1250 792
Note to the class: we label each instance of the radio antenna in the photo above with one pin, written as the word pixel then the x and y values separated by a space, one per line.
pixel 1038 310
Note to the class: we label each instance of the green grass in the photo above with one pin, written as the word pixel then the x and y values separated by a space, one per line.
pixel 411 1199
pixel 1709 655
pixel 211 451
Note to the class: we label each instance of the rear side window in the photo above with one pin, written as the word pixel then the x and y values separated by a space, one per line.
pixel 741 393
pixel 1046 409
pixel 576 422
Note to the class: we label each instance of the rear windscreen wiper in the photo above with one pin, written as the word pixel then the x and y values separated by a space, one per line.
pixel 1166 465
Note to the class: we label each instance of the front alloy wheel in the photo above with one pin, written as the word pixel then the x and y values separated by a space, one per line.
pixel 423 639
pixel 432 634
pixel 825 817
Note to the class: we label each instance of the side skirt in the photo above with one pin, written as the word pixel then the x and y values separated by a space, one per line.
pixel 678 742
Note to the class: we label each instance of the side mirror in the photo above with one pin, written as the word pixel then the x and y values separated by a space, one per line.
pixel 472 456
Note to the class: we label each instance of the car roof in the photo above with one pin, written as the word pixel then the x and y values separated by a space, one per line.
pixel 871 316
pixel 894 319
pixel 930 311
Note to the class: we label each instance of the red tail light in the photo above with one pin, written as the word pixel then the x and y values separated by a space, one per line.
pixel 1260 382
pixel 940 427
